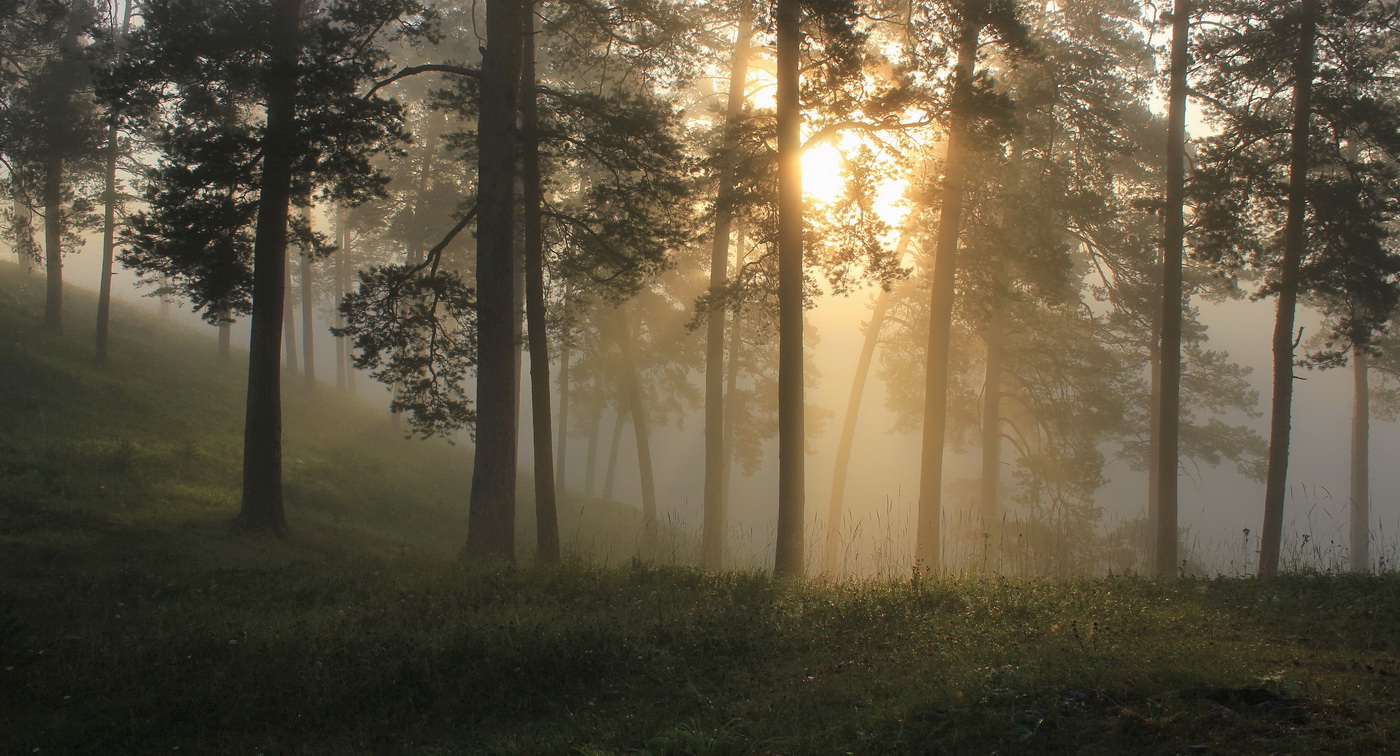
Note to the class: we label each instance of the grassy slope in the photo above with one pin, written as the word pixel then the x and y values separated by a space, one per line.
pixel 132 621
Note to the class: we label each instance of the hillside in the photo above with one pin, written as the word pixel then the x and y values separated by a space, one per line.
pixel 132 620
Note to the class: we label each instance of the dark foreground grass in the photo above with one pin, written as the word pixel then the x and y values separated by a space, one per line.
pixel 132 620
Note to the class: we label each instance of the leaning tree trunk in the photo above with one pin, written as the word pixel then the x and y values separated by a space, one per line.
pixel 262 507
pixel 491 519
pixel 928 536
pixel 636 406
pixel 792 444
pixel 546 509
pixel 1360 463
pixel 841 466
pixel 1169 357
pixel 712 531
pixel 1294 239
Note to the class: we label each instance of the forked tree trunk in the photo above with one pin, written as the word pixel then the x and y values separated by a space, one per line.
pixel 792 442
pixel 262 507
pixel 614 446
pixel 1294 239
pixel 712 530
pixel 546 509
pixel 928 536
pixel 1360 462
pixel 491 519
pixel 1169 355
pixel 636 407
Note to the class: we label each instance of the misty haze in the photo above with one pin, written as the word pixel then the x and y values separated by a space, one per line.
pixel 690 377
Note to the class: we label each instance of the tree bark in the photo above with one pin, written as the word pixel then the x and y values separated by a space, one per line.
pixel 491 519
pixel 289 328
pixel 712 530
pixel 1294 239
pixel 342 355
pixel 262 507
pixel 225 341
pixel 1360 462
pixel 109 217
pixel 731 375
pixel 308 313
pixel 636 406
pixel 792 442
pixel 23 229
pixel 1169 357
pixel 546 508
pixel 928 538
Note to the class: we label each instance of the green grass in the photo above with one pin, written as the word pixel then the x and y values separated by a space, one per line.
pixel 133 620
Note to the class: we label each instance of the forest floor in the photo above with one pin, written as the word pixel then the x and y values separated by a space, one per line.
pixel 133 620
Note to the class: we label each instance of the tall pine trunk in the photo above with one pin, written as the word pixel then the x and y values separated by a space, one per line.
pixel 308 302
pixel 792 442
pixel 109 217
pixel 712 531
pixel 1360 462
pixel 491 518
pixel 342 355
pixel 731 375
pixel 1294 239
pixel 1169 356
pixel 928 536
pixel 262 507
pixel 546 509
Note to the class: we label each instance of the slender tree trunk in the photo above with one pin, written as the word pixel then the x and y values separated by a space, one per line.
pixel 1360 462
pixel 308 313
pixel 928 538
pixel 636 407
pixel 109 217
pixel 614 446
pixel 491 519
pixel 289 328
pixel 23 229
pixel 262 507
pixel 225 340
pixel 546 509
pixel 837 508
pixel 1154 435
pixel 53 244
pixel 989 512
pixel 561 454
pixel 591 461
pixel 1294 239
pixel 1169 383
pixel 341 350
pixel 731 375
pixel 712 531
pixel 792 442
